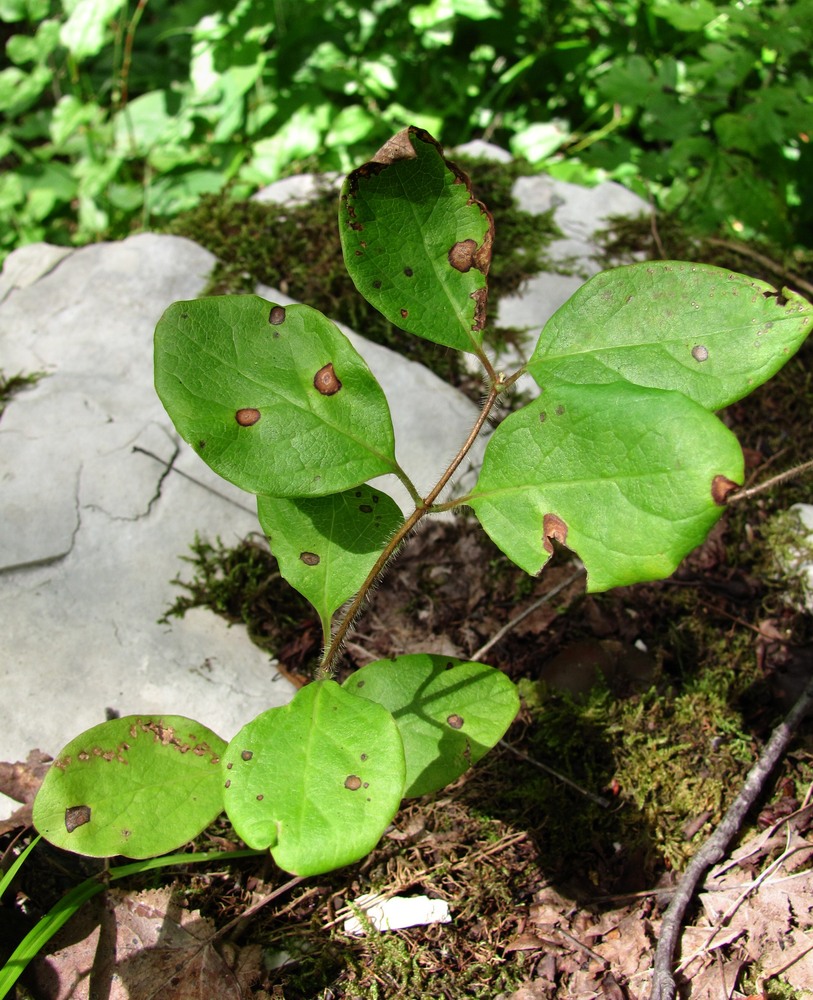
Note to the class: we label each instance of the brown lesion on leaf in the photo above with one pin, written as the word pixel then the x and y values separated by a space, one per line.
pixel 277 316
pixel 721 489
pixel 167 736
pixel 461 255
pixel 76 816
pixel 779 295
pixel 480 308
pixel 247 417
pixel 352 782
pixel 309 558
pixel 554 529
pixel 326 380
pixel 455 721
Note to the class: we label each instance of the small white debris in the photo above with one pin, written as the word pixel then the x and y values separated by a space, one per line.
pixel 641 645
pixel 397 912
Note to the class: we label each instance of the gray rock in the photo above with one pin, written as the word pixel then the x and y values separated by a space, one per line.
pixel 478 149
pixel 93 525
pixel 579 212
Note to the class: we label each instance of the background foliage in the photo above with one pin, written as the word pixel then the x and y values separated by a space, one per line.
pixel 120 114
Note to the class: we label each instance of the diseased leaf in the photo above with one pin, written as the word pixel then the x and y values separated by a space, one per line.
pixel 275 399
pixel 316 781
pixel 416 243
pixel 709 333
pixel 326 546
pixel 630 478
pixel 138 786
pixel 449 712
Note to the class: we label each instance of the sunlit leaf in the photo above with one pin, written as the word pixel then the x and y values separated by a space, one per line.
pixel 316 781
pixel 275 399
pixel 449 712
pixel 630 478
pixel 136 786
pixel 710 333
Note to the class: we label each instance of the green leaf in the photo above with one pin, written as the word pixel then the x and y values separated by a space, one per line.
pixel 88 27
pixel 449 712
pixel 326 546
pixel 137 786
pixel 316 781
pixel 630 478
pixel 416 243
pixel 709 333
pixel 275 399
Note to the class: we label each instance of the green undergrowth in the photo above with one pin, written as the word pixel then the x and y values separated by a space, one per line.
pixel 296 249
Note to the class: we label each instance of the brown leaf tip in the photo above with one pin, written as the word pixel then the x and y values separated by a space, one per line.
pixel 247 416
pixel 554 529
pixel 76 816
pixel 326 381
pixel 722 488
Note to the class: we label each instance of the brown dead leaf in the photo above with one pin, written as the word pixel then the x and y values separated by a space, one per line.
pixel 21 781
pixel 144 946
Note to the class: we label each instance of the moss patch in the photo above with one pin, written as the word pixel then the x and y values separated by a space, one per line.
pixel 10 385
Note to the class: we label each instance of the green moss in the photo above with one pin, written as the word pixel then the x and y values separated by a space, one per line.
pixel 242 584
pixel 10 385
pixel 297 250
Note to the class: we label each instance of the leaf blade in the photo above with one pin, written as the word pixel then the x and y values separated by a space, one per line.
pixel 416 243
pixel 711 334
pixel 317 781
pixel 105 789
pixel 274 399
pixel 449 712
pixel 621 474
pixel 326 546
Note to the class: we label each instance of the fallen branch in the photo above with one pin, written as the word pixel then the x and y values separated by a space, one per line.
pixel 663 982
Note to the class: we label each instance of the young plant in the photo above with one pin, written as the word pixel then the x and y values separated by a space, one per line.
pixel 620 457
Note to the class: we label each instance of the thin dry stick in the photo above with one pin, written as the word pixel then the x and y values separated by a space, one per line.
pixel 771 265
pixel 481 652
pixel 663 982
pixel 797 470
pixel 604 803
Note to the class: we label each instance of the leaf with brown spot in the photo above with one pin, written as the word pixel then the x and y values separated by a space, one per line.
pixel 619 473
pixel 247 387
pixel 416 242
pixel 326 546
pixel 709 333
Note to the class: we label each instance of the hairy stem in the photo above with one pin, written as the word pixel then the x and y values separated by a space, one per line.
pixel 422 507
pixel 782 477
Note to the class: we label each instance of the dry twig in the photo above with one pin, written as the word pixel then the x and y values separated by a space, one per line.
pixel 663 982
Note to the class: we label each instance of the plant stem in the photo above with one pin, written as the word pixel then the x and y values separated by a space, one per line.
pixel 782 477
pixel 422 507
